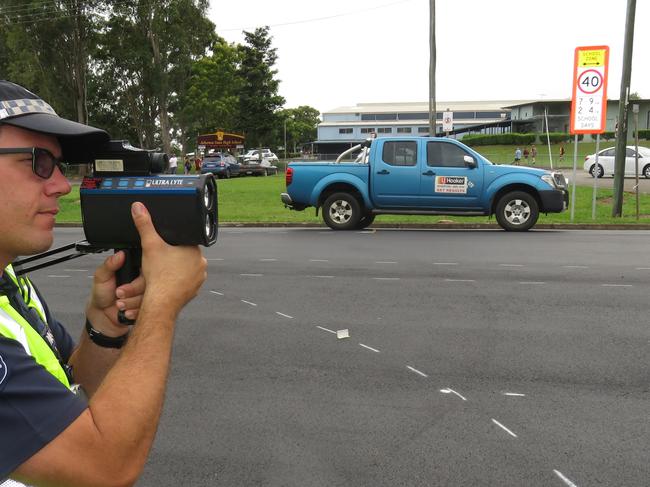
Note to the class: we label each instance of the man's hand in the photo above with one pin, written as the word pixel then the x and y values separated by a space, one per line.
pixel 173 274
pixel 106 298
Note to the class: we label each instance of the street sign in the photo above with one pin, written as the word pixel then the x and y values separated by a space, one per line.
pixel 447 121
pixel 589 102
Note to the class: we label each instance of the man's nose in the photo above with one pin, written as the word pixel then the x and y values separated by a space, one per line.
pixel 58 183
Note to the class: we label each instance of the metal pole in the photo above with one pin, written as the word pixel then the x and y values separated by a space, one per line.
pixel 573 178
pixel 285 139
pixel 548 139
pixel 432 68
pixel 635 110
pixel 596 174
pixel 621 133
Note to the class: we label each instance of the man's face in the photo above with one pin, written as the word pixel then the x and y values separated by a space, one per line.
pixel 28 203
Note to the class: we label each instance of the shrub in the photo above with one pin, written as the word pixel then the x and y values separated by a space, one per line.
pixel 644 134
pixel 509 138
pixel 608 135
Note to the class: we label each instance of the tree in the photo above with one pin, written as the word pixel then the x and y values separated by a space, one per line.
pixel 258 96
pixel 301 124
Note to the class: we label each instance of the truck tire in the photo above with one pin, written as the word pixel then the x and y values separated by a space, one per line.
pixel 341 211
pixel 365 221
pixel 517 211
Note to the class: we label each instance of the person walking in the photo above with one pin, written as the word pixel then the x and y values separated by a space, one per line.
pixel 173 164
pixel 533 154
pixel 562 151
pixel 517 156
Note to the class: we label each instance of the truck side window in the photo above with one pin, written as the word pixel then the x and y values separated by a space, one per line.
pixel 444 154
pixel 400 153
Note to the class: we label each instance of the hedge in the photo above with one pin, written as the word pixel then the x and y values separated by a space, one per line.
pixel 499 139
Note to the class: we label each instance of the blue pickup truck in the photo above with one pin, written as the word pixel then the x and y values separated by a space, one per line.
pixel 422 176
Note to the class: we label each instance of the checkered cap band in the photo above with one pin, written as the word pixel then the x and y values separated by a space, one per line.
pixel 12 108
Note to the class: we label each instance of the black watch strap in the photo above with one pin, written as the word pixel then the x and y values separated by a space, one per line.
pixel 98 338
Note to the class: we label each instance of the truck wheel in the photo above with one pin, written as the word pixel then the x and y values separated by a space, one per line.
pixel 517 211
pixel 341 211
pixel 365 221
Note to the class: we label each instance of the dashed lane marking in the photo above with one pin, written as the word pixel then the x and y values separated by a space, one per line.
pixel 575 266
pixel 514 394
pixel 385 262
pixel 386 278
pixel 413 369
pixel 564 479
pixel 55 275
pixel 445 263
pixel 75 270
pixel 217 293
pixel 460 280
pixel 511 265
pixel 451 391
pixel 282 314
pixel 215 258
pixel 268 260
pixel 616 285
pixel 369 348
pixel 325 329
pixel 324 277
pixel 251 275
pixel 318 260
pixel 504 428
pixel 248 302
pixel 532 282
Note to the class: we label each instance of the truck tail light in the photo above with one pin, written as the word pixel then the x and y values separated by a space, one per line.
pixel 288 176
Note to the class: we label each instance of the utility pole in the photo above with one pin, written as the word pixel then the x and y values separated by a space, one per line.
pixel 623 99
pixel 432 68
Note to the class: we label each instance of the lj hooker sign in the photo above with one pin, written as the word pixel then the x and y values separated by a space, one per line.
pixel 221 140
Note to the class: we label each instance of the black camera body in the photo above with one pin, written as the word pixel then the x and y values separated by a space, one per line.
pixel 184 209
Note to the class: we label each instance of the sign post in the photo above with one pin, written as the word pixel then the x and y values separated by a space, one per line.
pixel 589 105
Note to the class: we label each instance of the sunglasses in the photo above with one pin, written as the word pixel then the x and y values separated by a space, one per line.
pixel 43 161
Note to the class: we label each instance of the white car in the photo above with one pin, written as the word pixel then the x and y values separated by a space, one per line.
pixel 606 162
pixel 254 156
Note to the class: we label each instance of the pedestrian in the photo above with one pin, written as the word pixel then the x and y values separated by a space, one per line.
pixel 517 156
pixel 197 164
pixel 533 154
pixel 52 433
pixel 173 164
pixel 526 155
pixel 187 165
pixel 561 151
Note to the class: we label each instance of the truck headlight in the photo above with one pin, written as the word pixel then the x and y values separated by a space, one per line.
pixel 548 179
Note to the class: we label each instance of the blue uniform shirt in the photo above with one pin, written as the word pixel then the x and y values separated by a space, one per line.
pixel 34 406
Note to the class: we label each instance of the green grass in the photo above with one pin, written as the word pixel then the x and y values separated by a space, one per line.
pixel 505 154
pixel 257 199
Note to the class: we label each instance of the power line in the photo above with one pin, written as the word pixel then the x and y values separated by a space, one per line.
pixel 318 19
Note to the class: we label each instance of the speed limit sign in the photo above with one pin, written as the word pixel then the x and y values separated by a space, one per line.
pixel 589 102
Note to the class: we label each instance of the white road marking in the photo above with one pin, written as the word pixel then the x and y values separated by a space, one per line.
pixel 386 278
pixel 248 302
pixel 385 262
pixel 251 275
pixel 511 265
pixel 616 285
pixel 451 391
pixel 268 260
pixel 282 314
pixel 516 394
pixel 532 282
pixel 217 292
pixel 370 348
pixel 324 277
pixel 216 258
pixel 503 428
pixel 75 270
pixel 340 334
pixel 643 268
pixel 575 266
pixel 564 479
pixel 460 280
pixel 445 263
pixel 416 371
pixel 326 329
pixel 318 260
pixel 54 275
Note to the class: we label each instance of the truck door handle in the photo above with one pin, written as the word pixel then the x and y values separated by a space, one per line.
pixel 383 171
pixel 429 173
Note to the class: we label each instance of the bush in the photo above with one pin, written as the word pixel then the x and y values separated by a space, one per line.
pixel 556 137
pixel 509 138
pixel 644 134
pixel 608 135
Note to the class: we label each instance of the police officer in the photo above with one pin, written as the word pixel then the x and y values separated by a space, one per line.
pixel 50 435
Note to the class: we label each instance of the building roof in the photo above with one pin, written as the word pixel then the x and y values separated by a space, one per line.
pixel 401 123
pixel 406 107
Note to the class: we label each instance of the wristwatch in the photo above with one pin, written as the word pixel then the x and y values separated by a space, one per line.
pixel 99 339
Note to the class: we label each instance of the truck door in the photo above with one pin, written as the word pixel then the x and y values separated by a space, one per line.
pixel 395 174
pixel 451 177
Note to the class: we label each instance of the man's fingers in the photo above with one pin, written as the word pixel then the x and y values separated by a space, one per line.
pixel 143 223
pixel 107 270
pixel 133 288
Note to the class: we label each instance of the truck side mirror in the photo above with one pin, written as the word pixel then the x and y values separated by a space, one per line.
pixel 470 162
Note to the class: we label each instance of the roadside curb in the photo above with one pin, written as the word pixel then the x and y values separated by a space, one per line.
pixel 427 226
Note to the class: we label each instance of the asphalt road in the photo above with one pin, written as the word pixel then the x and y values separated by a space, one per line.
pixel 584 179
pixel 474 358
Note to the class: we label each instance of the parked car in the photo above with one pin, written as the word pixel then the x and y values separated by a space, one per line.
pixel 253 155
pixel 606 162
pixel 221 165
pixel 254 168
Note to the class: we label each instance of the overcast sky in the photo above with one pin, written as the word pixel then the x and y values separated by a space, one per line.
pixel 343 52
